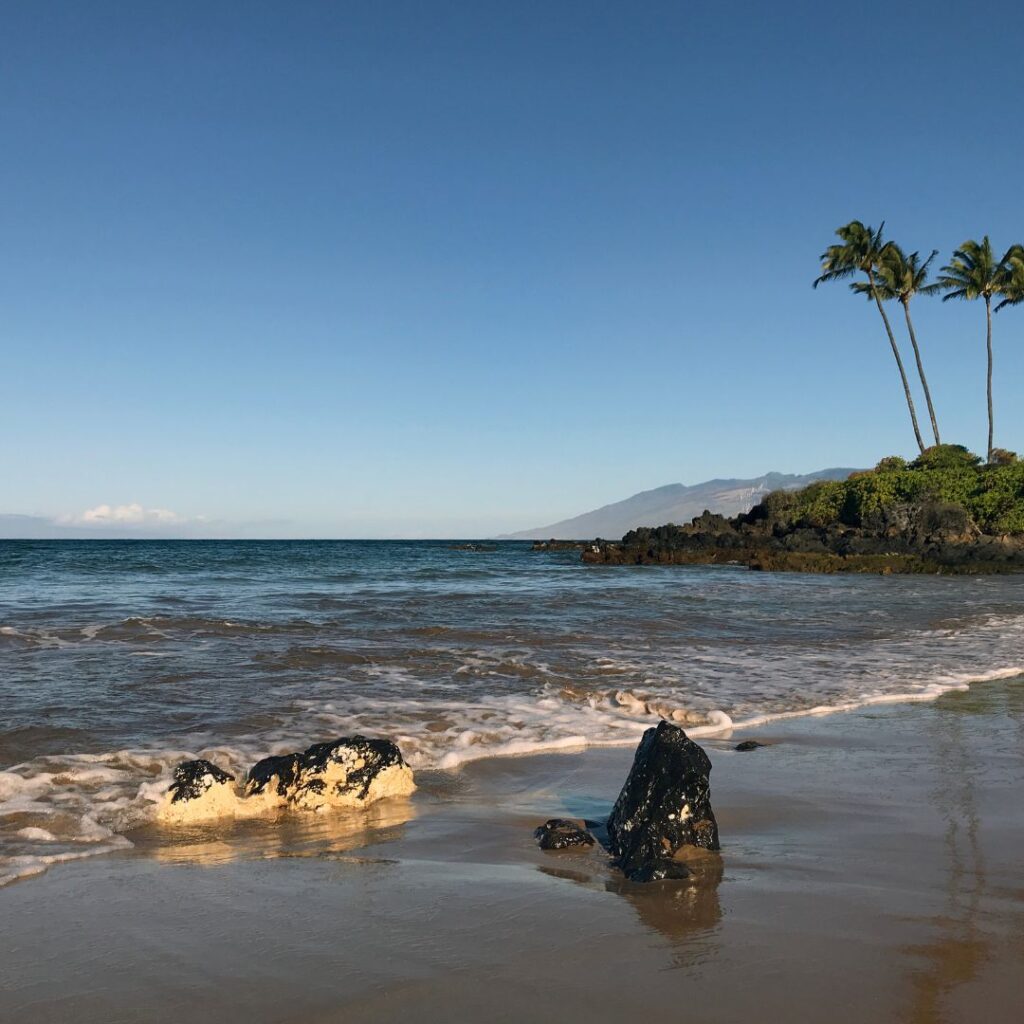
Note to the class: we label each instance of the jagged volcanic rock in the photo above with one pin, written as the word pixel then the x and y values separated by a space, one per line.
pixel 664 807
pixel 930 537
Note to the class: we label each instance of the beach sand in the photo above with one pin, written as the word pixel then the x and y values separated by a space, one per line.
pixel 873 870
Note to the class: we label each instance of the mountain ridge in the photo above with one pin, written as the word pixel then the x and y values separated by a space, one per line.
pixel 675 503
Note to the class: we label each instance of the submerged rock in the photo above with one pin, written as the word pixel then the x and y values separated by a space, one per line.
pixel 200 790
pixel 349 772
pixel 562 834
pixel 749 745
pixel 558 545
pixel 664 809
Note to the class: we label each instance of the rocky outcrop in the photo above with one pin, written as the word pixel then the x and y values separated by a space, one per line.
pixel 349 772
pixel 562 834
pixel 200 790
pixel 662 823
pixel 933 537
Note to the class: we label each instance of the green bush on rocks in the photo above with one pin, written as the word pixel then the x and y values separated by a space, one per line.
pixel 993 494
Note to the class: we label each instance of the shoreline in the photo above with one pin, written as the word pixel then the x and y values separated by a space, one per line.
pixel 870 870
pixel 712 731
pixel 719 736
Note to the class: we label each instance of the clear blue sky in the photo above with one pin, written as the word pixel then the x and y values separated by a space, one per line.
pixel 407 268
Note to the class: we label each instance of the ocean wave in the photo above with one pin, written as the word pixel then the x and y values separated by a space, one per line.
pixel 152 629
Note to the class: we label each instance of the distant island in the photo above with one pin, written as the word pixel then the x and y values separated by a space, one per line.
pixel 675 503
pixel 945 512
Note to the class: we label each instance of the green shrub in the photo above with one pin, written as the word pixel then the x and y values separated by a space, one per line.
pixel 1011 522
pixel 946 456
pixel 993 495
pixel 821 503
pixel 779 506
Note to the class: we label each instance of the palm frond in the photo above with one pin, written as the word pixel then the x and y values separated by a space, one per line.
pixel 926 266
pixel 974 272
pixel 1012 283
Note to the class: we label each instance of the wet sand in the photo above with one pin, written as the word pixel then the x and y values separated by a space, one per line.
pixel 872 870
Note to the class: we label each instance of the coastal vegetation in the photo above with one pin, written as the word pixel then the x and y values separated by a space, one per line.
pixel 946 511
pixel 890 274
pixel 991 494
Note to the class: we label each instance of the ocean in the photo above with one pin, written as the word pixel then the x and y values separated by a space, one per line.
pixel 118 659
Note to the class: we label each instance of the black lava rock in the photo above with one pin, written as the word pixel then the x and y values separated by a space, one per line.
pixel 280 772
pixel 562 834
pixel 749 745
pixel 664 806
pixel 193 778
pixel 376 755
pixel 295 776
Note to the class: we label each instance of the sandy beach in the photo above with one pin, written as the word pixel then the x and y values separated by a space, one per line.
pixel 871 870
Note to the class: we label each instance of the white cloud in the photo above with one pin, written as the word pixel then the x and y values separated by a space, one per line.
pixel 128 516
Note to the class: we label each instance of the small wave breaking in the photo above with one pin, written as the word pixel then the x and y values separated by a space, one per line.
pixel 59 808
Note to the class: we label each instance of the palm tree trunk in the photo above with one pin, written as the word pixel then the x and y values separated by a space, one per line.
pixel 920 370
pixel 988 317
pixel 899 361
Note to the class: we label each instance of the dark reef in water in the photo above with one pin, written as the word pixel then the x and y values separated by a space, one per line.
pixel 558 545
pixel 943 513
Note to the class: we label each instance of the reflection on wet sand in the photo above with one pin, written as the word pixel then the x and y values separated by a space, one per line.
pixel 962 946
pixel 289 834
pixel 677 910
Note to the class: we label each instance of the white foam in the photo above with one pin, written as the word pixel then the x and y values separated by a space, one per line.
pixel 925 694
pixel 38 834
pixel 25 866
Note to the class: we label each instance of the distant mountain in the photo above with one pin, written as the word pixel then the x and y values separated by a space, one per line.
pixel 674 503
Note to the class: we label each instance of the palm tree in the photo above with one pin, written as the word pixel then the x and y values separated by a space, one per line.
pixel 861 250
pixel 975 273
pixel 1013 284
pixel 901 277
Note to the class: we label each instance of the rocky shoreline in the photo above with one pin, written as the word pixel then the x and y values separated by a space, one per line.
pixel 930 537
pixel 661 826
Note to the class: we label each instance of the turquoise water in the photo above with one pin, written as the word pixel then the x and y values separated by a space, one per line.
pixel 119 658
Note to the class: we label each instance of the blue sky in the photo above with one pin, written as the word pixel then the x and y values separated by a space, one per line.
pixel 451 269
